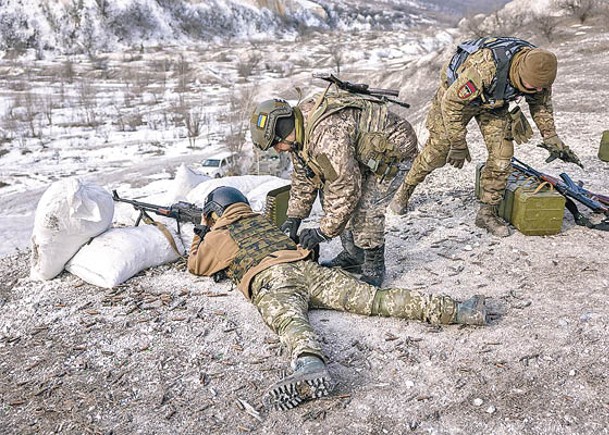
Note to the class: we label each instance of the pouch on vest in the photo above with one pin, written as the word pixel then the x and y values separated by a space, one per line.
pixel 379 154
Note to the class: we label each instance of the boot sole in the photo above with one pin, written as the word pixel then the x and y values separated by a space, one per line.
pixel 296 389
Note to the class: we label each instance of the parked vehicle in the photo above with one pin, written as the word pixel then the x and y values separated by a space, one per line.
pixel 218 165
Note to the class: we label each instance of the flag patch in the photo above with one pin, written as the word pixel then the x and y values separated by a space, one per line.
pixel 262 120
pixel 467 90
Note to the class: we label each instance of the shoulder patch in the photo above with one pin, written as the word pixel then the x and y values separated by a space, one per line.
pixel 467 90
pixel 326 166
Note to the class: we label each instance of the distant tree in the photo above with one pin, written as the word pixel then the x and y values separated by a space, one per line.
pixel 581 9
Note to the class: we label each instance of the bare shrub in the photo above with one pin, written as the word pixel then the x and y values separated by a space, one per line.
pixel 240 106
pixel 87 98
pixel 246 67
pixel 546 25
pixel 337 56
pixel 581 9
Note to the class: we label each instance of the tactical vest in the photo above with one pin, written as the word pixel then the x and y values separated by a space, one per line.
pixel 256 238
pixel 373 149
pixel 503 50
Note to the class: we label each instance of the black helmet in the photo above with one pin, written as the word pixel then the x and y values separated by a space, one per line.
pixel 221 198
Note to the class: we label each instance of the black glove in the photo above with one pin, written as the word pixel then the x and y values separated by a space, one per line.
pixel 201 231
pixel 220 276
pixel 311 237
pixel 290 228
pixel 558 150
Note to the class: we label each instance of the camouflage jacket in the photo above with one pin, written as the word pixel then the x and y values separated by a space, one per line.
pixel 332 150
pixel 475 75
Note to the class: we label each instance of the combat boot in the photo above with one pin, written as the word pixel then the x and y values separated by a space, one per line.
pixel 373 269
pixel 471 311
pixel 487 218
pixel 350 259
pixel 310 380
pixel 399 204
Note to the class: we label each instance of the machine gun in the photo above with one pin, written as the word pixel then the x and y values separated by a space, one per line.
pixel 363 89
pixel 180 211
pixel 571 191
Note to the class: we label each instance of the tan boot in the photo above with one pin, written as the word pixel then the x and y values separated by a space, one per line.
pixel 487 218
pixel 401 198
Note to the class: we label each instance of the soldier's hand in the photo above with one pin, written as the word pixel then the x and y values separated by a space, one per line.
pixel 201 231
pixel 290 228
pixel 311 237
pixel 521 129
pixel 457 156
pixel 558 150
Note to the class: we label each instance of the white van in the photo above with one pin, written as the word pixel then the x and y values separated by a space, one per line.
pixel 218 165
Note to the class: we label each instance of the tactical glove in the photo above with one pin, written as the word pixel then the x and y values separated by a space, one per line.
pixel 201 231
pixel 521 129
pixel 311 237
pixel 558 150
pixel 290 228
pixel 458 154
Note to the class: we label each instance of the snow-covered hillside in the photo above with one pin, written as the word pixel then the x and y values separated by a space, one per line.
pixel 89 26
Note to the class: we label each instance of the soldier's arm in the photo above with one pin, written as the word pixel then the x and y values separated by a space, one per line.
pixel 211 255
pixel 335 154
pixel 542 111
pixel 302 193
pixel 477 73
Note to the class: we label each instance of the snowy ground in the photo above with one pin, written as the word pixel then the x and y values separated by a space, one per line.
pixel 173 353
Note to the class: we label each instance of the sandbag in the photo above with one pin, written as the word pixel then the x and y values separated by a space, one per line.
pixel 116 255
pixel 185 180
pixel 68 214
pixel 244 183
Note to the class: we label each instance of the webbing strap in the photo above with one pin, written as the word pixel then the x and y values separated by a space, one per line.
pixel 149 221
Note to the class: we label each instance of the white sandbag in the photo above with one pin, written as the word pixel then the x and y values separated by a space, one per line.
pixel 185 180
pixel 244 183
pixel 257 196
pixel 68 214
pixel 119 253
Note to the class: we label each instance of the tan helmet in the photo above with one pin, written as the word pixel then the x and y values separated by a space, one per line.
pixel 264 122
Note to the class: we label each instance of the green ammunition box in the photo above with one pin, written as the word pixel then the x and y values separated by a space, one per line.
pixel 603 151
pixel 276 207
pixel 538 210
pixel 534 209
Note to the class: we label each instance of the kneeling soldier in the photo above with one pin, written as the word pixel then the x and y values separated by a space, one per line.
pixel 280 280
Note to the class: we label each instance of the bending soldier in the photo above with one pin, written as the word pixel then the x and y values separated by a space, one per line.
pixel 356 153
pixel 280 280
pixel 478 82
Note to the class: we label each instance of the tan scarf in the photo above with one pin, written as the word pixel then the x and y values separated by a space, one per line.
pixel 514 76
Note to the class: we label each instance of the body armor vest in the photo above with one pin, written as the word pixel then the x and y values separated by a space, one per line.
pixel 257 238
pixel 373 149
pixel 503 50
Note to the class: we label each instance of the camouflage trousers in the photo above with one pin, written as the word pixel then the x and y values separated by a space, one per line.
pixel 368 220
pixel 495 126
pixel 284 293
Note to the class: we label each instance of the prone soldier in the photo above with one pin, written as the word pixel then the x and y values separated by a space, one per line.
pixel 279 278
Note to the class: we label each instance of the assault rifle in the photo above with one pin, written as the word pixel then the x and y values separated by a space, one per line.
pixel 570 190
pixel 180 211
pixel 363 89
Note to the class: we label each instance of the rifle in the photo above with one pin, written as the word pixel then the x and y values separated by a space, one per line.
pixel 180 211
pixel 570 190
pixel 363 89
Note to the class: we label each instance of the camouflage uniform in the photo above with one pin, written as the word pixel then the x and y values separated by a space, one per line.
pixel 453 107
pixel 352 196
pixel 284 284
pixel 284 293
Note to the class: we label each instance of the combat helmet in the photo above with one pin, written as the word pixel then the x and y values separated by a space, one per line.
pixel 264 120
pixel 220 199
